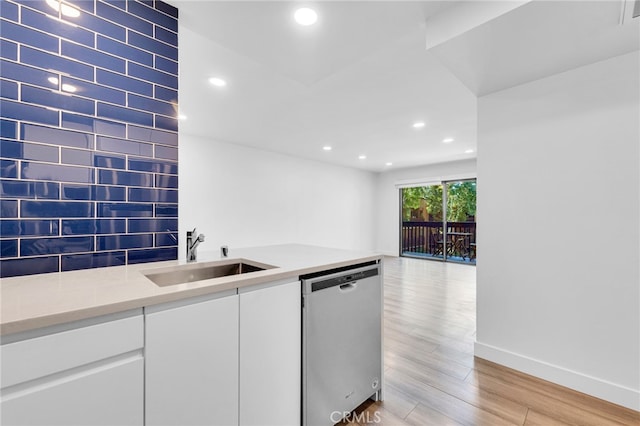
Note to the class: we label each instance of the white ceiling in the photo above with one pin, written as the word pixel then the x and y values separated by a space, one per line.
pixel 358 79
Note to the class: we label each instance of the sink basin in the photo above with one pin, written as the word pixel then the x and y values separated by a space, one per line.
pixel 203 271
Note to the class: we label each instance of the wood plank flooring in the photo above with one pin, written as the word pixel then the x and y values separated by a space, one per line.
pixel 432 377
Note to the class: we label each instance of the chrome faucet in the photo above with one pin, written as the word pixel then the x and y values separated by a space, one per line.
pixel 192 245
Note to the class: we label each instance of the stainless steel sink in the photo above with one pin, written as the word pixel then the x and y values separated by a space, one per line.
pixel 203 271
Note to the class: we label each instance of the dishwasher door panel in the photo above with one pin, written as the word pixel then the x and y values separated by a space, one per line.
pixel 342 349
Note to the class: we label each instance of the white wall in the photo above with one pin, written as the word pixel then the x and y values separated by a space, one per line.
pixel 558 200
pixel 388 196
pixel 240 196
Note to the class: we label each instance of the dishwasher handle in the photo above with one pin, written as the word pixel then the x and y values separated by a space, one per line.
pixel 348 287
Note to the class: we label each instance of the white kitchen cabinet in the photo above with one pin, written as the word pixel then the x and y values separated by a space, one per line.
pixel 270 347
pixel 85 373
pixel 191 355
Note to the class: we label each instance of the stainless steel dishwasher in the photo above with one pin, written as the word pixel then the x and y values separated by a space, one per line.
pixel 341 342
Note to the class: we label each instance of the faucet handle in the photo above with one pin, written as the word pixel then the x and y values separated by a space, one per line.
pixel 190 233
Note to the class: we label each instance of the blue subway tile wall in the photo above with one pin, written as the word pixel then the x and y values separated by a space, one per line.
pixel 88 134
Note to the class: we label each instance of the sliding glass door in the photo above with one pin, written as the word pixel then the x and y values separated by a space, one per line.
pixel 439 221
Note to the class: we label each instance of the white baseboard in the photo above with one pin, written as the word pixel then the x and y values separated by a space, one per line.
pixel 593 386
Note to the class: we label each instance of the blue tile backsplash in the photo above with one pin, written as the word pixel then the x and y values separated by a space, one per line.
pixel 88 135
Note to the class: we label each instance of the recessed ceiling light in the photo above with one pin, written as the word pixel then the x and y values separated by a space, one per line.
pixel 326 148
pixel 305 16
pixel 218 82
pixel 418 125
pixel 362 157
pixel 53 80
pixel 388 164
pixel 447 140
pixel 69 88
pixel 468 151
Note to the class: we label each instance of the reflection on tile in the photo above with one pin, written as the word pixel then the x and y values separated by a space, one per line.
pixel 166 152
pixel 124 146
pixel 152 135
pixel 26 74
pixel 93 125
pixel 167 123
pixel 8 169
pixel 151 105
pixel 114 177
pixel 53 209
pixel 93 226
pixel 40 246
pixel 94 91
pixel 58 100
pixel 21 228
pixel 28 266
pixel 156 166
pixel 53 62
pixel 166 239
pixel 8 208
pixel 42 171
pixel 28 151
pixel 153 225
pixel 8 248
pixel 72 262
pixel 115 242
pixel 36 114
pixel 44 23
pixel 151 255
pixel 124 210
pixel 166 181
pixel 30 132
pixel 93 192
pixel 153 195
pixel 78 157
pixel 166 210
pixel 166 94
pixel 124 114
pixel 109 161
pixel 26 189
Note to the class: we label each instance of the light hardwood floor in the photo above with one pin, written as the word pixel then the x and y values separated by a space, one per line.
pixel 432 377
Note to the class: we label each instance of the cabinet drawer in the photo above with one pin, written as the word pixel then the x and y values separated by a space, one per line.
pixel 41 356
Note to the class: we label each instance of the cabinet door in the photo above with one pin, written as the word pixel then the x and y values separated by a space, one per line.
pixel 108 394
pixel 270 350
pixel 191 356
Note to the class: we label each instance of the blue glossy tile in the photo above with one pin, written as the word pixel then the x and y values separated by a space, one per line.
pixel 30 132
pixel 72 262
pixel 152 225
pixel 124 114
pixel 53 172
pixel 38 5
pixel 109 161
pixel 167 123
pixel 9 11
pixel 95 91
pixel 42 22
pixel 116 15
pixel 28 151
pixel 29 266
pixel 94 125
pixel 8 50
pixel 166 181
pixel 152 135
pixel 124 210
pixel 26 74
pixel 8 248
pixel 93 57
pixel 155 166
pixel 23 112
pixel 166 36
pixel 86 5
pixel 151 105
pixel 8 89
pixel 165 94
pixel 166 8
pixel 155 76
pixel 21 34
pixel 153 195
pixel 125 51
pixel 166 210
pixel 166 65
pixel 42 246
pixel 8 129
pixel 114 177
pixel 57 100
pixel 150 14
pixel 151 255
pixel 26 189
pixel 93 192
pixel 166 152
pixel 101 26
pixel 8 208
pixel 53 62
pixel 124 146
pixel 8 169
pixel 93 226
pixel 76 157
pixel 55 209
pixel 120 4
pixel 33 228
pixel 125 83
pixel 166 239
pixel 115 242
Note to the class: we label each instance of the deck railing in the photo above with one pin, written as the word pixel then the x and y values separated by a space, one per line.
pixel 426 238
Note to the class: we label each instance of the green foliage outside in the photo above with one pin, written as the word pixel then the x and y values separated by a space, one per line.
pixel 461 202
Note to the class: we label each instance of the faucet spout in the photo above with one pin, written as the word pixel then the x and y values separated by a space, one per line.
pixel 193 241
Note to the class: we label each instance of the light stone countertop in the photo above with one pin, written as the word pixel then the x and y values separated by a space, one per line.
pixel 36 301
